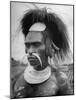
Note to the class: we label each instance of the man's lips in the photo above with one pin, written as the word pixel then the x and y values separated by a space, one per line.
pixel 34 61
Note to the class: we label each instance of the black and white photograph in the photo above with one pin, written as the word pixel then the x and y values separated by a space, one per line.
pixel 42 49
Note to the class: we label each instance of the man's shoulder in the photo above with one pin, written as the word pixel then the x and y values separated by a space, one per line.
pixel 65 83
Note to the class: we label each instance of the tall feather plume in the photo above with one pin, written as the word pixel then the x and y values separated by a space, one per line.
pixel 56 27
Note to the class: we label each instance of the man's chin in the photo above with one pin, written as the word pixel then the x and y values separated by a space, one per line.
pixel 36 66
pixel 35 61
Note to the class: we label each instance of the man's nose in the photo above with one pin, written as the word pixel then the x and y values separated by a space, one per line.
pixel 31 50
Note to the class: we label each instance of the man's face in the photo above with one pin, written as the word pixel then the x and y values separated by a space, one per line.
pixel 34 43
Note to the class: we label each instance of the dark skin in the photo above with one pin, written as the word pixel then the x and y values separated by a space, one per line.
pixel 48 88
pixel 38 46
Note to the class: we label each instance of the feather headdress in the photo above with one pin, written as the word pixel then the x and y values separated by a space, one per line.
pixel 56 27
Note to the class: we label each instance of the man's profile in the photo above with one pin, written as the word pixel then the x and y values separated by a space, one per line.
pixel 45 37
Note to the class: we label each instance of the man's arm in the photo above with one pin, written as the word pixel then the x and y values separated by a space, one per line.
pixel 63 83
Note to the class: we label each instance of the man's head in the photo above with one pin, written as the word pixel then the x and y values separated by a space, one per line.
pixel 45 34
pixel 35 43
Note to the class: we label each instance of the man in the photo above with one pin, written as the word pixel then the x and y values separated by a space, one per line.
pixel 45 37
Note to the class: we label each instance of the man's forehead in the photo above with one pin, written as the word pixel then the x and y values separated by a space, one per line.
pixel 33 37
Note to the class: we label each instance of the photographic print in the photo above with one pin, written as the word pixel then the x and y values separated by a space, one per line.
pixel 42 49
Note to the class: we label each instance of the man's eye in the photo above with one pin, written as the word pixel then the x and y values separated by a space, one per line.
pixel 27 45
pixel 37 44
pixel 32 44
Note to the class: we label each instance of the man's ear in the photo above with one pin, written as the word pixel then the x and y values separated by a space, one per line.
pixel 49 49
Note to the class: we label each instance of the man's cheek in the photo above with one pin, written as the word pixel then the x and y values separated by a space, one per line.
pixel 41 50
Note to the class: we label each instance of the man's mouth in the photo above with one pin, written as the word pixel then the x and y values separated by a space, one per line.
pixel 35 61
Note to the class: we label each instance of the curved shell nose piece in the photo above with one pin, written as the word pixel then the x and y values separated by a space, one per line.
pixel 35 54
